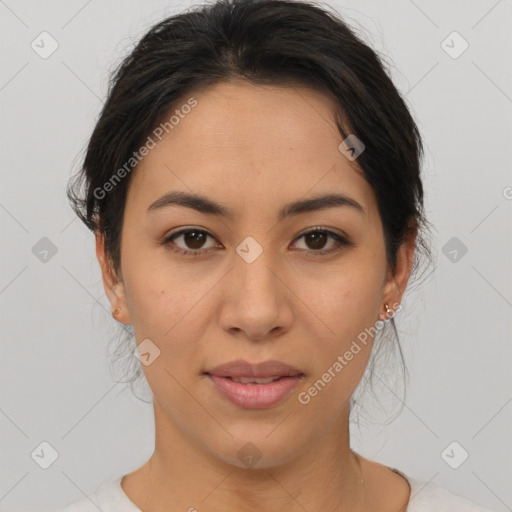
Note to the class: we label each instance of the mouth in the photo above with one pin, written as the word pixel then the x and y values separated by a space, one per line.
pixel 254 380
pixel 255 386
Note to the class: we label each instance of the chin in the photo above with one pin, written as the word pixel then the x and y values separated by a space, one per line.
pixel 255 449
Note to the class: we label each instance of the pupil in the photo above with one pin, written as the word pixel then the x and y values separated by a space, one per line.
pixel 197 239
pixel 315 237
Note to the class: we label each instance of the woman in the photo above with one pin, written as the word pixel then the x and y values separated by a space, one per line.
pixel 253 183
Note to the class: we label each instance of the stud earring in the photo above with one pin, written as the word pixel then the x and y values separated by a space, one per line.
pixel 387 315
pixel 114 313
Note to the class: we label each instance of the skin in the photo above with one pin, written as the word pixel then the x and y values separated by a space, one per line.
pixel 253 149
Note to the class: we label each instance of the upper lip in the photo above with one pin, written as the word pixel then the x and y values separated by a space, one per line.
pixel 241 368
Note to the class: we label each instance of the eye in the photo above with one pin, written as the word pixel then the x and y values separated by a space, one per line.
pixel 194 239
pixel 317 238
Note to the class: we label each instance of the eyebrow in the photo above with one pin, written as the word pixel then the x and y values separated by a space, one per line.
pixel 205 205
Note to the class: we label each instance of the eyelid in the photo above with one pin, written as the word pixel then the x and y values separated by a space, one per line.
pixel 323 228
pixel 167 239
pixel 341 239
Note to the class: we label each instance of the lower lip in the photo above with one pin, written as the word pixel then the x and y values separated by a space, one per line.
pixel 255 396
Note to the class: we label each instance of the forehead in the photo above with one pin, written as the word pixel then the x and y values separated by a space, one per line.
pixel 244 141
pixel 250 118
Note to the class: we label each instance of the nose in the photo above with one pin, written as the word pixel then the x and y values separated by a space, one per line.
pixel 256 298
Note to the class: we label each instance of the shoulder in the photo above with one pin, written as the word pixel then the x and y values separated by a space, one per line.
pixel 85 504
pixel 109 497
pixel 422 496
pixel 82 505
pixel 430 497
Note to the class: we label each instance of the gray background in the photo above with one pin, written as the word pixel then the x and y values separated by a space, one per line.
pixel 56 385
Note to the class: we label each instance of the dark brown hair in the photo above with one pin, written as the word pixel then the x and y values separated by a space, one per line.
pixel 275 42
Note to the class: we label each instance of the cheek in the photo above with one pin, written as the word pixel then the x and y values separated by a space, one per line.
pixel 163 309
pixel 348 303
pixel 169 316
pixel 157 293
pixel 171 311
pixel 348 307
pixel 347 300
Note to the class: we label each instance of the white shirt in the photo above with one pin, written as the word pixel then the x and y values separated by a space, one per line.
pixel 425 497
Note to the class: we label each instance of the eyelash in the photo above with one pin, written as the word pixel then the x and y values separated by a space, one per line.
pixel 341 241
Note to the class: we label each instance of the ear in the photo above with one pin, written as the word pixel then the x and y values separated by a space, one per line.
pixel 114 287
pixel 396 283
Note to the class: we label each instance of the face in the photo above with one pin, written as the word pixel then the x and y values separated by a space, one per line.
pixel 209 287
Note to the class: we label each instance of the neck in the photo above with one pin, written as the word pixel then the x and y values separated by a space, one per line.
pixel 326 475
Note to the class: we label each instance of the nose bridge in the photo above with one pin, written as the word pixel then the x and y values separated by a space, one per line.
pixel 255 301
pixel 255 296
pixel 253 268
